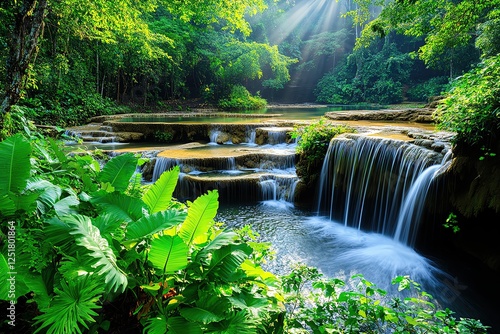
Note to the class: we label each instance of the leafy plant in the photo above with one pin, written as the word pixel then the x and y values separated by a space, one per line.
pixel 321 305
pixel 313 139
pixel 472 106
pixel 106 240
pixel 241 99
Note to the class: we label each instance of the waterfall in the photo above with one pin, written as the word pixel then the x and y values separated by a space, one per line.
pixel 377 184
pixel 278 187
pixel 276 136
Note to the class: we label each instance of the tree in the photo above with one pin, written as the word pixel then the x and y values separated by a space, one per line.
pixel 123 23
pixel 28 16
pixel 445 24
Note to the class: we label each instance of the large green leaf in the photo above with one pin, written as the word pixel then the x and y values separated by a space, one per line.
pixel 236 323
pixel 222 239
pixel 159 195
pixel 169 253
pixel 154 223
pixel 200 218
pixel 4 276
pixel 108 224
pixel 227 259
pixel 156 325
pixel 15 166
pixel 104 260
pixel 49 193
pixel 197 314
pixel 179 325
pixel 57 233
pixel 118 171
pixel 72 307
pixel 7 205
pixel 126 207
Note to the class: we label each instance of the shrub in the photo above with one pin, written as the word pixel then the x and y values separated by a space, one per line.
pixel 241 99
pixel 313 140
pixel 320 305
pixel 472 106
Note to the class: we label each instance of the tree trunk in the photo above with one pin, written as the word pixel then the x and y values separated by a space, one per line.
pixel 22 47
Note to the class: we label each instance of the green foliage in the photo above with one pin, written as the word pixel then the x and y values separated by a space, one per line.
pixel 320 305
pixel 73 305
pixel 452 223
pixel 472 106
pixel 432 87
pixel 163 136
pixel 241 99
pixel 367 75
pixel 313 140
pixel 442 23
pixel 488 40
pixel 102 239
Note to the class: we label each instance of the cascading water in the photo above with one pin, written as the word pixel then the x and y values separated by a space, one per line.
pixel 377 184
pixel 278 187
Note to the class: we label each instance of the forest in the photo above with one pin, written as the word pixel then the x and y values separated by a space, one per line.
pixel 87 247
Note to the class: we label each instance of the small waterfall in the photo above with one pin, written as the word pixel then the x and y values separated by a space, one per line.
pixel 275 137
pixel 217 136
pixel 194 166
pixel 377 184
pixel 278 188
pixel 251 135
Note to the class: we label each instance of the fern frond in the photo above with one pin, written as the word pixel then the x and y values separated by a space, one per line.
pixel 159 195
pixel 72 307
pixel 104 260
pixel 200 218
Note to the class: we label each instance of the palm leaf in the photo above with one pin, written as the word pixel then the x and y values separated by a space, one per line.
pixel 169 253
pixel 200 218
pixel 72 307
pixel 236 323
pixel 118 171
pixel 159 195
pixel 15 166
pixel 179 325
pixel 126 207
pixel 104 260
pixel 156 325
pixel 154 223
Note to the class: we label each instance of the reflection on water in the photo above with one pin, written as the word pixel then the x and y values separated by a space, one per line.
pixel 253 116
